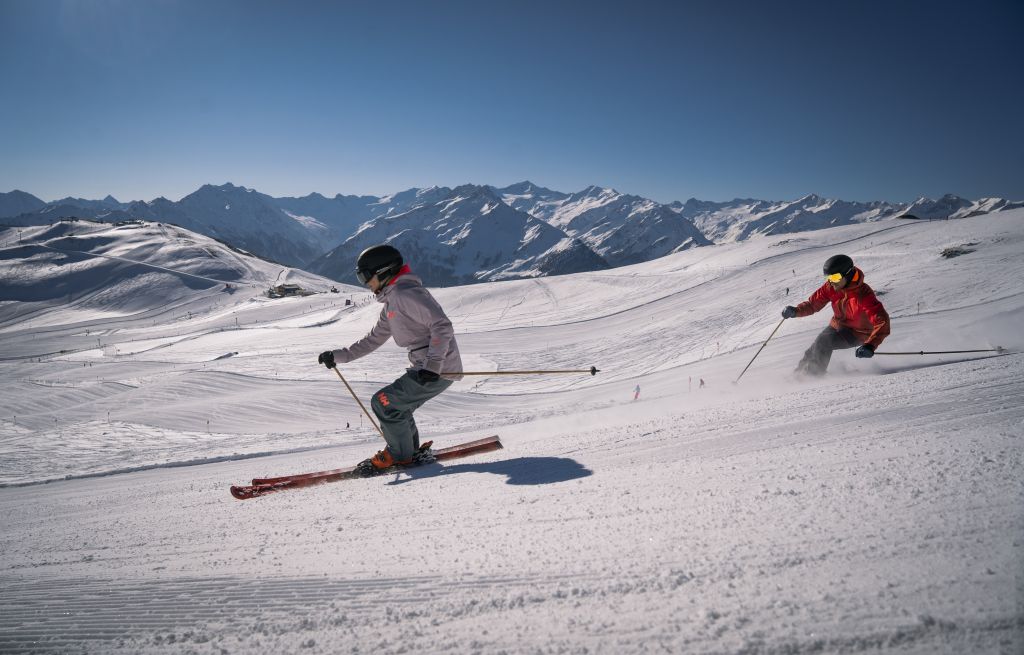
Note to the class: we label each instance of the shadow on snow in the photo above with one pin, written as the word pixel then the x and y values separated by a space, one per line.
pixel 520 470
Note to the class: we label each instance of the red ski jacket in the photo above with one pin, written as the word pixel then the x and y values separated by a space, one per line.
pixel 855 307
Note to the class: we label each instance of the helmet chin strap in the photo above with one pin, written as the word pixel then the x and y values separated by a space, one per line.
pixel 384 278
pixel 394 273
pixel 384 281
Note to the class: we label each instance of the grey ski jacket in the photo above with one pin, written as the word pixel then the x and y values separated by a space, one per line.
pixel 416 322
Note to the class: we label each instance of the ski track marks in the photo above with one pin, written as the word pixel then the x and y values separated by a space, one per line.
pixel 319 615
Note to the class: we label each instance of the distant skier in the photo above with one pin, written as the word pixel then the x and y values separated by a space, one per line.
pixel 636 393
pixel 701 384
pixel 417 323
pixel 859 318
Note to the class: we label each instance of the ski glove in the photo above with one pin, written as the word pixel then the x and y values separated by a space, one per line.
pixel 789 312
pixel 424 376
pixel 866 351
pixel 326 358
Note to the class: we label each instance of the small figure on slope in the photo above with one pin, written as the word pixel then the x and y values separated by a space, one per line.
pixel 416 322
pixel 859 319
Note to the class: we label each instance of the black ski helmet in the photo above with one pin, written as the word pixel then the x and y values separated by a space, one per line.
pixel 382 260
pixel 838 264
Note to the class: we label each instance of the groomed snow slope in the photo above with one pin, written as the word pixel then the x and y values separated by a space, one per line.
pixel 879 509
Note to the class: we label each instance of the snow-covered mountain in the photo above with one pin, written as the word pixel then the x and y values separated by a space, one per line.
pixel 128 268
pixel 242 217
pixel 403 201
pixel 107 204
pixel 987 206
pixel 291 230
pixel 948 206
pixel 468 236
pixel 340 215
pixel 251 220
pixel 534 200
pixel 20 208
pixel 18 202
pixel 620 229
pixel 953 206
pixel 623 229
pixel 741 219
pixel 53 212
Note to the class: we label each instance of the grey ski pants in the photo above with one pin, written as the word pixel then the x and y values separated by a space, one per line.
pixel 816 358
pixel 394 404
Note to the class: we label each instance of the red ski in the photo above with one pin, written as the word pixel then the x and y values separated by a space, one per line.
pixel 263 486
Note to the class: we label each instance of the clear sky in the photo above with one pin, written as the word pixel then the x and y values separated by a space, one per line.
pixel 859 100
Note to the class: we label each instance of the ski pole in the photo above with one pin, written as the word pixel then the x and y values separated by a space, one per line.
pixel 592 370
pixel 997 349
pixel 347 386
pixel 759 350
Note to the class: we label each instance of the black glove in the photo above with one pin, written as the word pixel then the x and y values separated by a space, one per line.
pixel 326 358
pixel 866 351
pixel 424 376
pixel 789 312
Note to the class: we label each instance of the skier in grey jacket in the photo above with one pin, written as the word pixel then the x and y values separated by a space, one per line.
pixel 416 322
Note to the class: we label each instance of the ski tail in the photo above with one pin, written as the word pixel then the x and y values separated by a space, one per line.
pixel 484 445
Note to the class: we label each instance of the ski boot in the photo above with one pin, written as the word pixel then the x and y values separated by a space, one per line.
pixel 423 455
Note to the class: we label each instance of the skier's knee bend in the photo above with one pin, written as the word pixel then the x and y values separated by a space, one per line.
pixel 382 407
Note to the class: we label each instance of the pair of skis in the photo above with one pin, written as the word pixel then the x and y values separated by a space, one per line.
pixel 264 486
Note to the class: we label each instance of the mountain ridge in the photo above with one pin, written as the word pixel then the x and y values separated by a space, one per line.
pixel 468 236
pixel 596 227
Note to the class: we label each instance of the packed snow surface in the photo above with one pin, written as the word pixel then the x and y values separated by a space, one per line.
pixel 879 509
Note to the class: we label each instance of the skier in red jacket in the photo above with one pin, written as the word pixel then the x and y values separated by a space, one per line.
pixel 859 320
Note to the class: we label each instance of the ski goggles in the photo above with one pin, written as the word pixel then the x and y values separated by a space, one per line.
pixel 364 276
pixel 835 277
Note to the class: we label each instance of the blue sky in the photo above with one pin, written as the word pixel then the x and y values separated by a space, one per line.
pixel 669 100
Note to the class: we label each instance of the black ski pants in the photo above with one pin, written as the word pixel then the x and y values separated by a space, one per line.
pixel 816 358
